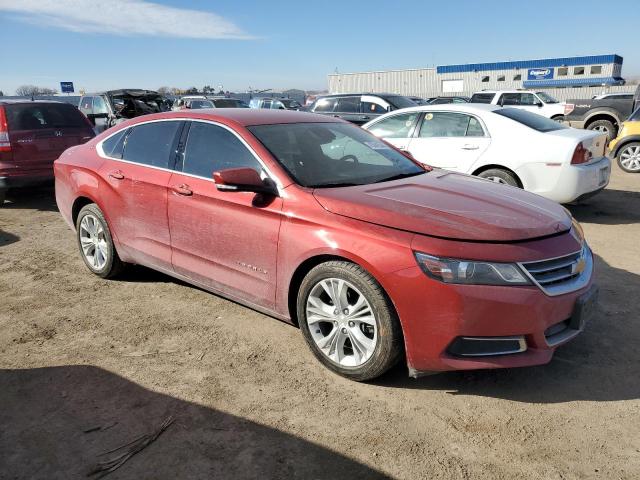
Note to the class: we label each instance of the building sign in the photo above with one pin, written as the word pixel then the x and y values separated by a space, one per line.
pixel 66 87
pixel 539 73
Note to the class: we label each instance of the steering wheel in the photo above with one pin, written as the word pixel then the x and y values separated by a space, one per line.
pixel 350 157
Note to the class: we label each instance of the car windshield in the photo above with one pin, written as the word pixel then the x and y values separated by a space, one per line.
pixel 196 104
pixel 398 101
pixel 531 120
pixel 546 98
pixel 333 154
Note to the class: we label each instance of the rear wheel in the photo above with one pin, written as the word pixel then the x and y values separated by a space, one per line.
pixel 348 321
pixel 604 126
pixel 500 175
pixel 96 244
pixel 629 157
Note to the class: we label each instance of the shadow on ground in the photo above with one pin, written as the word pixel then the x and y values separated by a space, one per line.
pixel 601 364
pixel 7 238
pixel 46 412
pixel 609 207
pixel 42 198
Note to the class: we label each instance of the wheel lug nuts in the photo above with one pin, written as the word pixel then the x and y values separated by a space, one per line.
pixel 346 311
pixel 352 324
pixel 335 323
pixel 336 312
pixel 344 330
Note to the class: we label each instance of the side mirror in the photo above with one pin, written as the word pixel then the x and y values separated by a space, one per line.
pixel 540 104
pixel 244 180
pixel 92 117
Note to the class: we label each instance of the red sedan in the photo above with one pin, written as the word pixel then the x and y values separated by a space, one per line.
pixel 314 221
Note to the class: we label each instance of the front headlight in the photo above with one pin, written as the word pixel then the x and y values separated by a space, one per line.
pixel 471 272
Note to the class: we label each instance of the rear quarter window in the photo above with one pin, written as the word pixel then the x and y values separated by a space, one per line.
pixel 41 116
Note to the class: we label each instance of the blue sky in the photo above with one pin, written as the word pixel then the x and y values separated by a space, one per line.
pixel 102 44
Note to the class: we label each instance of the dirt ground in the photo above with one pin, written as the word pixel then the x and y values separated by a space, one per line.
pixel 87 365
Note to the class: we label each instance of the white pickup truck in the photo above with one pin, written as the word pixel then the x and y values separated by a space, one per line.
pixel 536 102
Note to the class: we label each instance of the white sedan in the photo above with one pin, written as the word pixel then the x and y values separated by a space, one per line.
pixel 506 145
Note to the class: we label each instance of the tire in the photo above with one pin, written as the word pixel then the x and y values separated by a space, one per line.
pixel 100 256
pixel 604 126
pixel 628 157
pixel 499 175
pixel 382 327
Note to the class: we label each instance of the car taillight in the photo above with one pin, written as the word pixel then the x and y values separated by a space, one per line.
pixel 581 155
pixel 568 108
pixel 5 144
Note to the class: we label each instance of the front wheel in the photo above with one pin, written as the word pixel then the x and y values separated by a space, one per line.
pixel 348 321
pixel 629 157
pixel 499 175
pixel 96 244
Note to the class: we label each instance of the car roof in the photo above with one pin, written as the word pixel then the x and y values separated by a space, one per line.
pixel 14 101
pixel 242 116
pixel 506 91
pixel 450 107
pixel 362 93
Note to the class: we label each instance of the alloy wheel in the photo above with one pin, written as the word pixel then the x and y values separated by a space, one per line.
pixel 630 158
pixel 601 129
pixel 497 180
pixel 93 242
pixel 341 322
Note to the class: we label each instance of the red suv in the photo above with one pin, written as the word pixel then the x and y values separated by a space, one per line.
pixel 317 222
pixel 32 136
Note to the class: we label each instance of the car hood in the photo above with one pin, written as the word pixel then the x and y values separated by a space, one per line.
pixel 449 205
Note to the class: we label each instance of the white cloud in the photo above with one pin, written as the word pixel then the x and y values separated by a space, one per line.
pixel 123 17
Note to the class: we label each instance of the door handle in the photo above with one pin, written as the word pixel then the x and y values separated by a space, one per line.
pixel 337 116
pixel 183 189
pixel 365 117
pixel 470 147
pixel 117 174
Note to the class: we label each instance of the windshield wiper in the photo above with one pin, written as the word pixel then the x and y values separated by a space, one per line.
pixel 399 176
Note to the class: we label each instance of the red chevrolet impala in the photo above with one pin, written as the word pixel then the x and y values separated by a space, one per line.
pixel 314 221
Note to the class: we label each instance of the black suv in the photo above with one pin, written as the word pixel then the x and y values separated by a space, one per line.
pixel 359 108
pixel 106 109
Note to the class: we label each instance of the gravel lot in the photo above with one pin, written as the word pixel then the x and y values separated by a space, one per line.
pixel 79 353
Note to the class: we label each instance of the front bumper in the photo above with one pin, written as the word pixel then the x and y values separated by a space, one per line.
pixel 435 316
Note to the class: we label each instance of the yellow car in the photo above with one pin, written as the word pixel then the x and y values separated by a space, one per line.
pixel 626 146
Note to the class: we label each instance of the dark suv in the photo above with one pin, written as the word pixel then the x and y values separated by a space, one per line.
pixel 106 109
pixel 32 135
pixel 359 108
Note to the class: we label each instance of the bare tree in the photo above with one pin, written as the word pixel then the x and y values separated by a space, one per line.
pixel 26 90
pixel 164 90
pixel 32 90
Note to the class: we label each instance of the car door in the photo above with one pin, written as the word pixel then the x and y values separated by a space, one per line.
pixel 396 129
pixel 136 172
pixel 451 140
pixel 223 240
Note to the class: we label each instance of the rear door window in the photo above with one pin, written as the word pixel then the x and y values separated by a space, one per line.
pixel 152 143
pixel 211 148
pixel 348 105
pixel 370 107
pixel 41 116
pixel 482 98
pixel 444 124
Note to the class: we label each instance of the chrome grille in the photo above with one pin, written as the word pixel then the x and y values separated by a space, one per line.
pixel 564 274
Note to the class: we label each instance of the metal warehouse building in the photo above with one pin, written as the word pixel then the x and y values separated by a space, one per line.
pixel 562 77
